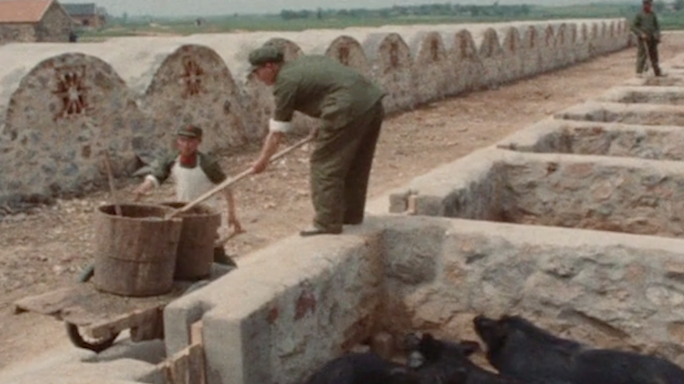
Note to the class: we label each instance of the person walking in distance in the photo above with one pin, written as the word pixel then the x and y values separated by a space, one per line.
pixel 349 108
pixel 645 27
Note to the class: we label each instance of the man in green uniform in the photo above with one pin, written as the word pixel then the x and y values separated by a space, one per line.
pixel 194 173
pixel 350 109
pixel 645 27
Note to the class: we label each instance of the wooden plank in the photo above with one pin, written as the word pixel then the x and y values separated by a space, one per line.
pixel 149 328
pixel 196 364
pixel 196 333
pixel 179 368
pixel 85 306
pixel 51 303
pixel 165 369
pixel 137 318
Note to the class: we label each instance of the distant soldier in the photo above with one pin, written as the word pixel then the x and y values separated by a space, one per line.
pixel 350 109
pixel 645 27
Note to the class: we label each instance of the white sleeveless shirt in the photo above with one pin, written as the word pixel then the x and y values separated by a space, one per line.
pixel 192 183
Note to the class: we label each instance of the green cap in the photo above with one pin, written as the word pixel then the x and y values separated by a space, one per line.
pixel 191 131
pixel 263 55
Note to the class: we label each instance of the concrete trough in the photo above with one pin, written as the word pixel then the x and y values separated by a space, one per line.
pixel 669 81
pixel 603 139
pixel 645 95
pixel 643 114
pixel 294 305
pixel 601 193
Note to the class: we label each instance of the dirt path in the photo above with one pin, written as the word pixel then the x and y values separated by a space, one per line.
pixel 45 250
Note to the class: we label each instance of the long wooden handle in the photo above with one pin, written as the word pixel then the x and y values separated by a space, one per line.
pixel 110 176
pixel 234 180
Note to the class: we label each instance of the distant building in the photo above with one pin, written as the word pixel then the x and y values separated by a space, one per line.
pixel 86 14
pixel 33 21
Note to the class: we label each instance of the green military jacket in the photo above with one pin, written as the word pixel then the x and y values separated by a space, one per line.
pixel 323 88
pixel 209 165
pixel 646 23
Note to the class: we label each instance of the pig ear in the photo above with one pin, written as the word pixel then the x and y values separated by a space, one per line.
pixel 459 376
pixel 428 337
pixel 469 347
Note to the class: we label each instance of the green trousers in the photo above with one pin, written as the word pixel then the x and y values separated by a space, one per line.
pixel 340 168
pixel 647 49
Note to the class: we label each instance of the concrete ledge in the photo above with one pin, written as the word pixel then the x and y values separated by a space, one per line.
pixel 264 322
pixel 644 94
pixel 624 113
pixel 594 138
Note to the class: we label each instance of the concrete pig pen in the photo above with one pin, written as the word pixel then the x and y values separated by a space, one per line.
pixel 299 303
pixel 605 139
pixel 612 112
pixel 646 95
pixel 591 192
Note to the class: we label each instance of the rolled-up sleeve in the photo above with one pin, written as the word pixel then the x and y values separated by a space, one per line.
pixel 284 93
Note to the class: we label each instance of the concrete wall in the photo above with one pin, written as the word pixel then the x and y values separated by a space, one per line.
pixel 264 324
pixel 301 302
pixel 414 64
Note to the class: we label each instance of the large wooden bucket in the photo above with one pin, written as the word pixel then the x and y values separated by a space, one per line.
pixel 136 252
pixel 195 252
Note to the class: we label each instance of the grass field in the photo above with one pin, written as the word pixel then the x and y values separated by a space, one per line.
pixel 669 20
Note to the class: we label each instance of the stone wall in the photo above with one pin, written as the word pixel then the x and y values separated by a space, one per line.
pixel 66 111
pixel 193 85
pixel 269 329
pixel 611 112
pixel 591 192
pixel 609 290
pixel 55 25
pixel 644 95
pixel 202 78
pixel 396 275
pixel 607 139
pixel 17 33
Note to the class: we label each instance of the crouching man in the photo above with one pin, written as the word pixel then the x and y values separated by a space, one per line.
pixel 194 174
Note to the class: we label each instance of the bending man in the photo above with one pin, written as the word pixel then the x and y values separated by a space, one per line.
pixel 351 113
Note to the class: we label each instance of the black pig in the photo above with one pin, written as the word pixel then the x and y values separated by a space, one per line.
pixel 517 348
pixel 367 368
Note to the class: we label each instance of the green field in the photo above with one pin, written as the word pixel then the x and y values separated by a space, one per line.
pixel 425 14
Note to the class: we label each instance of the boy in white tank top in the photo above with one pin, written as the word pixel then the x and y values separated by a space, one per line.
pixel 194 173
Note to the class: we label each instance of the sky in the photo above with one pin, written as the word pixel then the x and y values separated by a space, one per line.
pixel 175 8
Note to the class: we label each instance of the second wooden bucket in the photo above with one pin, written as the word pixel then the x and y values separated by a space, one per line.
pixel 196 245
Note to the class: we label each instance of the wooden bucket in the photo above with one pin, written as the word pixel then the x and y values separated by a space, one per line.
pixel 195 252
pixel 136 252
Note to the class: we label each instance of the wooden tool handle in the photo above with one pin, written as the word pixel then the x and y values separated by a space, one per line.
pixel 110 176
pixel 235 179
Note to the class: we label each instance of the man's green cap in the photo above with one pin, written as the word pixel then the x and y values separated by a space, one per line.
pixel 191 131
pixel 263 55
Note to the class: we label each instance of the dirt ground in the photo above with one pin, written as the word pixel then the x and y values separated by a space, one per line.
pixel 47 248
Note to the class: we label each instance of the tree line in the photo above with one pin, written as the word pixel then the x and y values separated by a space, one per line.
pixel 415 10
